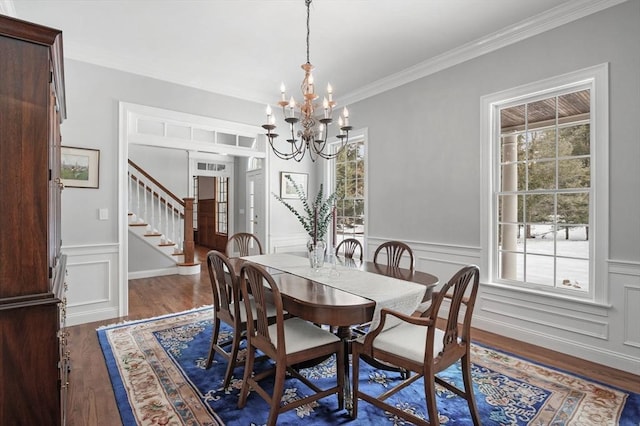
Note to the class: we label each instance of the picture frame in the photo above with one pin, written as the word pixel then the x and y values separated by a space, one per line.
pixel 79 167
pixel 287 190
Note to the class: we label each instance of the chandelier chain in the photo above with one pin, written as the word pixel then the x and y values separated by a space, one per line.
pixel 308 2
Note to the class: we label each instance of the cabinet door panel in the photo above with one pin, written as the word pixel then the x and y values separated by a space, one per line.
pixel 24 164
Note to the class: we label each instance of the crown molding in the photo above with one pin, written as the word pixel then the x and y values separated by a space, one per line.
pixel 553 18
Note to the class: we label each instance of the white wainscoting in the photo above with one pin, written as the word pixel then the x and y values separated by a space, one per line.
pixel 92 280
pixel 288 243
pixel 605 334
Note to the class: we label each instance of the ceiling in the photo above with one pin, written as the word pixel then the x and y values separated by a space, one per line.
pixel 246 48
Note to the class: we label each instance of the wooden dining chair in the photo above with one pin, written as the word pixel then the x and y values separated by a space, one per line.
pixel 287 342
pixel 418 345
pixel 394 252
pixel 350 248
pixel 243 244
pixel 229 308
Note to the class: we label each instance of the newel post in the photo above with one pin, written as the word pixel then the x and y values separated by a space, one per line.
pixel 189 245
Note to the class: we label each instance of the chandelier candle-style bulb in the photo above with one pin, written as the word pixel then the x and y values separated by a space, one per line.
pixel 310 128
pixel 292 107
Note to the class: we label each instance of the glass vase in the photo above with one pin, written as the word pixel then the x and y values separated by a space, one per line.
pixel 316 254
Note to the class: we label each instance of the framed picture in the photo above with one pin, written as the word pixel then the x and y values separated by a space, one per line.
pixel 287 190
pixel 79 167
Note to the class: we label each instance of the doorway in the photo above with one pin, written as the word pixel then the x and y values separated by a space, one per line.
pixel 255 202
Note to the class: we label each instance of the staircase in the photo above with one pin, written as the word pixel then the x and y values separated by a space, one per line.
pixel 163 221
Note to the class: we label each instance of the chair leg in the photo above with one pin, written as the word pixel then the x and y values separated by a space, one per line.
pixel 232 361
pixel 248 369
pixel 278 388
pixel 468 389
pixel 214 341
pixel 430 397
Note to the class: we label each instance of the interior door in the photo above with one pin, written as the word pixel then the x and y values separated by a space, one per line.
pixel 206 211
pixel 213 212
pixel 256 204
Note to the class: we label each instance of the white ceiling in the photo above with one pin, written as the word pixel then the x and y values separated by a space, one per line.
pixel 246 48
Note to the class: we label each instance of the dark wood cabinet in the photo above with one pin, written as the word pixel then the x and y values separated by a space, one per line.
pixel 33 354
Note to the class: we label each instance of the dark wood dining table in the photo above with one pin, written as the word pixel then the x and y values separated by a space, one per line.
pixel 323 304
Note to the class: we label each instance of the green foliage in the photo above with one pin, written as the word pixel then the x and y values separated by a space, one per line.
pixel 319 211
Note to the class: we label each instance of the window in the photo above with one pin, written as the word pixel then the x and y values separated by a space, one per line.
pixel 546 190
pixel 348 173
pixel 222 203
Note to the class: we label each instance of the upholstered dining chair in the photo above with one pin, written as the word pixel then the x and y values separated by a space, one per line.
pixel 287 342
pixel 243 244
pixel 420 346
pixel 394 251
pixel 351 248
pixel 228 308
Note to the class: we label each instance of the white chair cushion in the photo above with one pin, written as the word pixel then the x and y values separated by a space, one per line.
pixel 300 335
pixel 271 310
pixel 407 341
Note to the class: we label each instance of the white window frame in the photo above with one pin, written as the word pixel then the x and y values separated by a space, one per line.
pixel 596 79
pixel 360 135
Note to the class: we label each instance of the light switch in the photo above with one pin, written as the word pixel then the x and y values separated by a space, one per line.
pixel 103 214
pixel 240 211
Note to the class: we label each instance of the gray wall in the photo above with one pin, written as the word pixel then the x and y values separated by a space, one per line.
pixel 424 137
pixel 424 180
pixel 93 93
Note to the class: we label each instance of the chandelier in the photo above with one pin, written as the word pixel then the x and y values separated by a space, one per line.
pixel 312 131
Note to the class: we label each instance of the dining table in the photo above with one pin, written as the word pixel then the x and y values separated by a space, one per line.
pixel 344 292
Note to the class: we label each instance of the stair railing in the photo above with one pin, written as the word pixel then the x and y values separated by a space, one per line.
pixel 165 214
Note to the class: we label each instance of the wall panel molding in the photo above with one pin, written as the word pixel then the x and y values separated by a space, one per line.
pixel 92 279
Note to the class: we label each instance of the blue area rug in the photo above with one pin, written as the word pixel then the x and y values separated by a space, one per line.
pixel 157 372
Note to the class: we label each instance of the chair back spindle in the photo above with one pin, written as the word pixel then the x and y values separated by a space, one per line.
pixel 351 248
pixel 394 251
pixel 243 244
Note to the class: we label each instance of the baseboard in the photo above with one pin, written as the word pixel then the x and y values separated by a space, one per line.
pixel 153 273
pixel 90 316
pixel 599 355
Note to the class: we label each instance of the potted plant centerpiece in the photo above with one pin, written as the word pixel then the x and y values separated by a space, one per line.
pixel 315 219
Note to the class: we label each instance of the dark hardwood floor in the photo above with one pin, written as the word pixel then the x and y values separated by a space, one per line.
pixel 91 400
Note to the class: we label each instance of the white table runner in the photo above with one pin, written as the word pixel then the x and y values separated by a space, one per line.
pixel 388 292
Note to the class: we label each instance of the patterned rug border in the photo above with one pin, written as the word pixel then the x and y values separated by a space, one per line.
pixel 128 416
pixel 159 317
pixel 119 389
